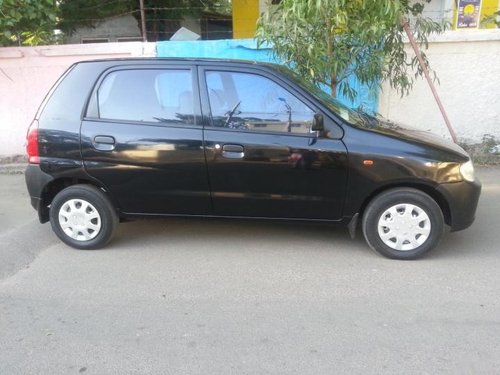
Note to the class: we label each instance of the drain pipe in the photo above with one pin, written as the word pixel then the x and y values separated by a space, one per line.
pixel 421 61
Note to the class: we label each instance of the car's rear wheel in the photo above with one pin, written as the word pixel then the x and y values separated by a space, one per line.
pixel 403 223
pixel 83 217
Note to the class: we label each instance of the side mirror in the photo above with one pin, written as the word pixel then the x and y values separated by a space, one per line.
pixel 318 124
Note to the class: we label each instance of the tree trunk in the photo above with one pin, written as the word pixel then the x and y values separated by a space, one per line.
pixel 329 56
pixel 333 86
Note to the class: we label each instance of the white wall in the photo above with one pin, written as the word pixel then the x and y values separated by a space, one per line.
pixel 438 10
pixel 468 66
pixel 27 73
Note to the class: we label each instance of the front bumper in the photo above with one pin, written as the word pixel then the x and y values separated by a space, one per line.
pixel 462 198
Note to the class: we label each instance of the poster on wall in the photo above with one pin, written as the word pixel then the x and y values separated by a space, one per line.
pixel 468 14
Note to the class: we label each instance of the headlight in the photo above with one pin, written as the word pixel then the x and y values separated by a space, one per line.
pixel 467 171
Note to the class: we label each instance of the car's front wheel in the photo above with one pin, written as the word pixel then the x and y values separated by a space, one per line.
pixel 403 223
pixel 83 217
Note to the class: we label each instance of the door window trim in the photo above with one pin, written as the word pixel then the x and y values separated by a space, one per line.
pixel 91 112
pixel 335 128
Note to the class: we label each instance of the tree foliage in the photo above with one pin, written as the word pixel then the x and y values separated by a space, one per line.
pixel 329 40
pixel 27 22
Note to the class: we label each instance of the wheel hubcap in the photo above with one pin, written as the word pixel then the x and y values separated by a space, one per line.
pixel 404 227
pixel 79 220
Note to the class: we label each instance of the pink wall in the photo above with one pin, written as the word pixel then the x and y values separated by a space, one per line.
pixel 27 73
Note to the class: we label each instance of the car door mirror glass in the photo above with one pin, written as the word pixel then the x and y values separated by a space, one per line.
pixel 318 124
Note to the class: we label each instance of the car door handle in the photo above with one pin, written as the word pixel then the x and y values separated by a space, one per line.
pixel 104 143
pixel 233 151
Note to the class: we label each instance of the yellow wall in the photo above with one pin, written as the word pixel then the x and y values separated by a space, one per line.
pixel 488 8
pixel 245 15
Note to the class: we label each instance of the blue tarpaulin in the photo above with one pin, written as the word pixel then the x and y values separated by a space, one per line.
pixel 246 49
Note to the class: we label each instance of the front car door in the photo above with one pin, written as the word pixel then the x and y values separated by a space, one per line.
pixel 263 159
pixel 142 138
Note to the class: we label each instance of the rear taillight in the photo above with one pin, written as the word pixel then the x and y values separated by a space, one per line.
pixel 32 143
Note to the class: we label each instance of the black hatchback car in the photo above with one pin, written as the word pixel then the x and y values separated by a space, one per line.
pixel 126 138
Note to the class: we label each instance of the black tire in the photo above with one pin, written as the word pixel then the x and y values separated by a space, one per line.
pixel 404 197
pixel 96 201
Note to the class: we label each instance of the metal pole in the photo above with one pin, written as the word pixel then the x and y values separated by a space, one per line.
pixel 143 21
pixel 416 49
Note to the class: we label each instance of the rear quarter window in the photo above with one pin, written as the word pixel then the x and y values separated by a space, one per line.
pixel 68 98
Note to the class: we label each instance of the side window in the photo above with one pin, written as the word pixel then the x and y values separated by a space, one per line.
pixel 253 102
pixel 162 96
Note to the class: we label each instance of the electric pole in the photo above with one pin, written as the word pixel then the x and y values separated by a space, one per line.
pixel 143 21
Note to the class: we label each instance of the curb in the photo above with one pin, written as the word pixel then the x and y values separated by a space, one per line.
pixel 17 168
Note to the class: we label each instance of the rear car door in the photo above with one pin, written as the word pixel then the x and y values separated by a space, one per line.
pixel 263 159
pixel 142 139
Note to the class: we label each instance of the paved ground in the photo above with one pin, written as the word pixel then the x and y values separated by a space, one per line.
pixel 218 297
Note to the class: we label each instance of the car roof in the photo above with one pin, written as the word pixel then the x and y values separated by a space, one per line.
pixel 197 60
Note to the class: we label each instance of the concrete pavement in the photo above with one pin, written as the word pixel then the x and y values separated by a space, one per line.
pixel 220 297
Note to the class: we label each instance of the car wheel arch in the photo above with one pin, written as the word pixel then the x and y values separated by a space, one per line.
pixel 429 190
pixel 57 185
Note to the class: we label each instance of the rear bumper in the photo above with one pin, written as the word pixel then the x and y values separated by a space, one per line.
pixel 462 198
pixel 36 180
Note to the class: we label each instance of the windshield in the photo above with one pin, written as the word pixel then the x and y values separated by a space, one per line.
pixel 341 110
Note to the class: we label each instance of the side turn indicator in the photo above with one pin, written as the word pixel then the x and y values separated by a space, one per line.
pixel 368 162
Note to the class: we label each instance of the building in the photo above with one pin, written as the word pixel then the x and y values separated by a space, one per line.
pixel 127 29
pixel 114 29
pixel 247 12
